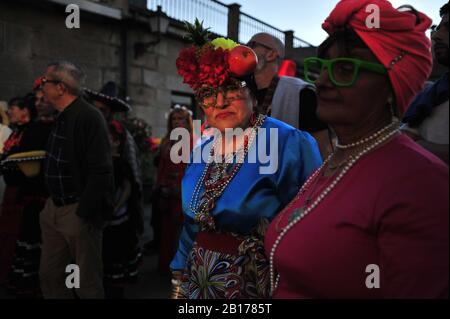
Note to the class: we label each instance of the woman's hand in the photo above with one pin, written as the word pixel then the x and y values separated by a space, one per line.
pixel 176 284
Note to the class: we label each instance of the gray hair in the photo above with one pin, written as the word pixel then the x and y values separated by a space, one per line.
pixel 69 74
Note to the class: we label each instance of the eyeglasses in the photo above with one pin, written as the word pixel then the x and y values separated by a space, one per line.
pixel 207 97
pixel 254 44
pixel 342 72
pixel 45 80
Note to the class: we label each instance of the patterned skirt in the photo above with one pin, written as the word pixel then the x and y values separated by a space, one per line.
pixel 226 266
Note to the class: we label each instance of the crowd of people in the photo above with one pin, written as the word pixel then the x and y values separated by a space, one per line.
pixel 361 178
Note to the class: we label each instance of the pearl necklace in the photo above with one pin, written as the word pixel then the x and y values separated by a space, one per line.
pixel 274 282
pixel 369 138
pixel 202 213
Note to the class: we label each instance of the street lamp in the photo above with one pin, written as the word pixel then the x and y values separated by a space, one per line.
pixel 159 24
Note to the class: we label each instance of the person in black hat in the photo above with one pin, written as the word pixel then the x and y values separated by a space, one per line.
pixel 121 249
pixel 107 100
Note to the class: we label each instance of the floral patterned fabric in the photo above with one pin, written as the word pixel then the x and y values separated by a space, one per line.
pixel 227 266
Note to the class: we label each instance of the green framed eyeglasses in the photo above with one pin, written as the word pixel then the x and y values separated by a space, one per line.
pixel 342 72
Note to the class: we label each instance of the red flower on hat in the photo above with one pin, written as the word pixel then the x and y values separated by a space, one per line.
pixel 203 66
pixel 214 68
pixel 188 67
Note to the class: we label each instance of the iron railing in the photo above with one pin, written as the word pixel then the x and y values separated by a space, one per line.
pixel 214 14
pixel 249 25
pixel 299 43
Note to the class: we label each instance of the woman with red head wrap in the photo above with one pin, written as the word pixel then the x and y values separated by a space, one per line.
pixel 372 221
pixel 399 43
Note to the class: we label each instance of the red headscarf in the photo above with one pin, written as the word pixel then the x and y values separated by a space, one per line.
pixel 399 44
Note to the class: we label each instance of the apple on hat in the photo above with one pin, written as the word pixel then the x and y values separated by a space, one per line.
pixel 242 60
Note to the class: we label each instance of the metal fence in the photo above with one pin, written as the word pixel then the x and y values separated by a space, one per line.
pixel 213 13
pixel 249 25
pixel 299 43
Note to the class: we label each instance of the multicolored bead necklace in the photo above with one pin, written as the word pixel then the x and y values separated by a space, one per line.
pixel 215 185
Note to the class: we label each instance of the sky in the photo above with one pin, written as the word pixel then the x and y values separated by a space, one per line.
pixel 305 17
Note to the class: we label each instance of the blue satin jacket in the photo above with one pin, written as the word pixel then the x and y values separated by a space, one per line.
pixel 260 189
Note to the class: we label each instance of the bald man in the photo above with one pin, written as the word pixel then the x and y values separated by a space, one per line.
pixel 287 99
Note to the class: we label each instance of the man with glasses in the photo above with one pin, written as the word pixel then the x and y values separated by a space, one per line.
pixel 426 120
pixel 79 176
pixel 286 98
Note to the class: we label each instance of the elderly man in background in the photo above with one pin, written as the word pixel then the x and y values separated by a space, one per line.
pixel 286 98
pixel 79 176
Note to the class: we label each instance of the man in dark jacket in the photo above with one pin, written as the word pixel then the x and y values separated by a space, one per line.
pixel 79 175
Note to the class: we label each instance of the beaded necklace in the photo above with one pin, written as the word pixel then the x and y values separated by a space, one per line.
pixel 369 138
pixel 216 177
pixel 314 177
pixel 301 214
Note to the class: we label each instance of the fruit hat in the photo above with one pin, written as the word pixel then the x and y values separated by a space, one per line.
pixel 217 63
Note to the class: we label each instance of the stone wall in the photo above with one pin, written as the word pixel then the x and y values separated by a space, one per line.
pixel 33 35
